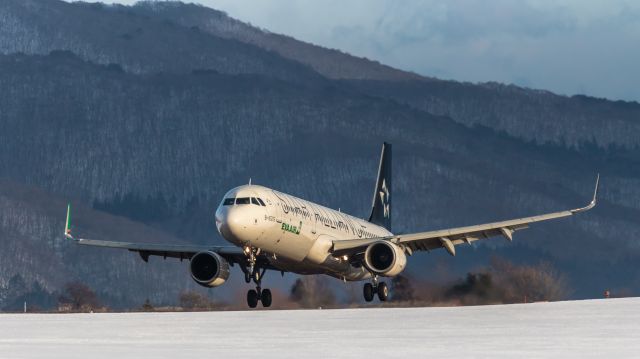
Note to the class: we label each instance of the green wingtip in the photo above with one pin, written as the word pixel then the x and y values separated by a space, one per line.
pixel 67 228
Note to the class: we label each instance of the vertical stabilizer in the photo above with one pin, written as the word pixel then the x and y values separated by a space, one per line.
pixel 381 206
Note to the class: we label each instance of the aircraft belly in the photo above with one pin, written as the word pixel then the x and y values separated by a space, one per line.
pixel 287 245
pixel 332 267
pixel 295 266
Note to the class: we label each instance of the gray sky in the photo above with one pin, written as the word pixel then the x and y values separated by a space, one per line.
pixel 569 47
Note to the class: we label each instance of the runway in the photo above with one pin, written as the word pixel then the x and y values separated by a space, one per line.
pixel 580 329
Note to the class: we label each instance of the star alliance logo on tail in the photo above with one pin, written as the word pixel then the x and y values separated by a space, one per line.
pixel 385 197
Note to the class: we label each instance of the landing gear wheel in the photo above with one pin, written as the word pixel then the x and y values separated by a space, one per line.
pixel 265 297
pixel 383 291
pixel 252 298
pixel 368 292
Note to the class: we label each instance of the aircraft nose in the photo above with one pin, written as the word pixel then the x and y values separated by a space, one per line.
pixel 221 219
pixel 240 224
pixel 236 222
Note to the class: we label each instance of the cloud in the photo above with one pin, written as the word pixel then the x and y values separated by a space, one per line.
pixel 572 46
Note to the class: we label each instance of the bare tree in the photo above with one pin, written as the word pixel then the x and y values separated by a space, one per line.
pixel 312 292
pixel 402 289
pixel 80 296
pixel 147 306
pixel 192 300
pixel 540 282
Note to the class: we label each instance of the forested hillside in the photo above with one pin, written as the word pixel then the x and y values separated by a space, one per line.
pixel 145 133
pixel 533 115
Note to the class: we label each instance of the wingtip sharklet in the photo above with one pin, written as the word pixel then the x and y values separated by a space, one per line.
pixel 595 191
pixel 67 227
pixel 594 200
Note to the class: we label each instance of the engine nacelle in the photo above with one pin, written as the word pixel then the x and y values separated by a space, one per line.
pixel 209 269
pixel 385 258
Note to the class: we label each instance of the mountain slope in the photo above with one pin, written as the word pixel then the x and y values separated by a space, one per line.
pixel 140 44
pixel 533 115
pixel 33 247
pixel 330 63
pixel 576 122
pixel 78 129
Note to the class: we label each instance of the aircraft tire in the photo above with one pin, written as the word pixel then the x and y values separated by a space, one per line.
pixel 265 298
pixel 383 292
pixel 367 290
pixel 252 298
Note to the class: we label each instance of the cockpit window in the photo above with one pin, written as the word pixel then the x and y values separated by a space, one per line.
pixel 243 200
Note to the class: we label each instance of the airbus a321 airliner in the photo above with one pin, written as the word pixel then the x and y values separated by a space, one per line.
pixel 271 230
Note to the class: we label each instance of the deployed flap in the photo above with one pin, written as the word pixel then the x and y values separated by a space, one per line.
pixel 381 206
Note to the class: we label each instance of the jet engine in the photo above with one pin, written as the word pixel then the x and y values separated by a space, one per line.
pixel 209 269
pixel 385 258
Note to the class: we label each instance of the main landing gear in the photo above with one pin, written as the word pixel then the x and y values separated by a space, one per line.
pixel 253 273
pixel 371 289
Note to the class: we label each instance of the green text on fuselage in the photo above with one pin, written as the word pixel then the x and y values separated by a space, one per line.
pixel 293 229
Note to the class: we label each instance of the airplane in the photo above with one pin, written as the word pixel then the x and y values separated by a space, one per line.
pixel 272 230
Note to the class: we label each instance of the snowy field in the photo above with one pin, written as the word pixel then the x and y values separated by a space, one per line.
pixel 581 329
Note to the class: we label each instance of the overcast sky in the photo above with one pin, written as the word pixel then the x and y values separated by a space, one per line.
pixel 569 47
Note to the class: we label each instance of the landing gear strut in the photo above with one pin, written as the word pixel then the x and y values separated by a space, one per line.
pixel 371 289
pixel 252 274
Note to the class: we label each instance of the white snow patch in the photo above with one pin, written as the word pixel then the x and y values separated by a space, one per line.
pixel 580 329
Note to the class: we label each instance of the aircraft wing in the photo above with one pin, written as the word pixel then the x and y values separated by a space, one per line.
pixel 231 253
pixel 164 250
pixel 449 238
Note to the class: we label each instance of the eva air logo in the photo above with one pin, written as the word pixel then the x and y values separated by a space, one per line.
pixel 293 229
pixel 385 197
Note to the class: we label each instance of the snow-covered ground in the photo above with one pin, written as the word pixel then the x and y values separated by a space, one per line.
pixel 594 329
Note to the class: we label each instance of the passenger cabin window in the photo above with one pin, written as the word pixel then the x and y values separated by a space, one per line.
pixel 243 200
pixel 228 201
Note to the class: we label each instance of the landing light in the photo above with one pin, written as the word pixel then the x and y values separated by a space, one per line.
pixel 345 258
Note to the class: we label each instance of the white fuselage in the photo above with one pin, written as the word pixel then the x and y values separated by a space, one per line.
pixel 296 234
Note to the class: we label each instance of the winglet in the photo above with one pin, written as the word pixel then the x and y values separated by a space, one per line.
pixel 593 201
pixel 595 191
pixel 67 228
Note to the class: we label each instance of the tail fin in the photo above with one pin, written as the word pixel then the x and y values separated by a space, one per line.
pixel 381 206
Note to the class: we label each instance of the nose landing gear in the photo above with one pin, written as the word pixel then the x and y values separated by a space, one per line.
pixel 253 273
pixel 371 289
pixel 257 295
